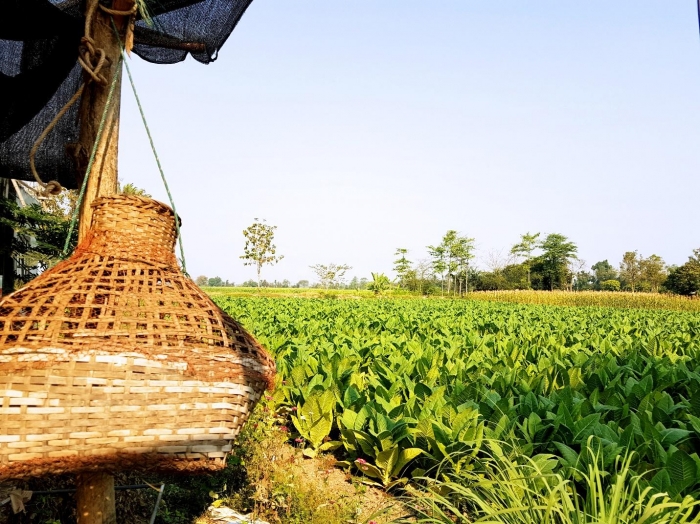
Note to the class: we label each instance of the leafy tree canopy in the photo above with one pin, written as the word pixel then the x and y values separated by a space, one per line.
pixel 331 275
pixel 685 279
pixel 259 248
pixel 557 252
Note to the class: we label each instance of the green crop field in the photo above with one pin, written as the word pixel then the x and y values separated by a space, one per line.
pixel 397 387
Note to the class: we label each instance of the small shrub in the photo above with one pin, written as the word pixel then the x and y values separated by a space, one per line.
pixel 610 285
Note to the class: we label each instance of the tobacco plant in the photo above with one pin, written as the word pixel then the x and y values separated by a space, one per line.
pixel 398 386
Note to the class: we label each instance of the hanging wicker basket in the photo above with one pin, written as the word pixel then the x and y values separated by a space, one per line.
pixel 114 359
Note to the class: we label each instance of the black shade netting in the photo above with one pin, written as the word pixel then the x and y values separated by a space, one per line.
pixel 39 70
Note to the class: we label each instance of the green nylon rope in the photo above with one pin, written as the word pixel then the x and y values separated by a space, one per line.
pixel 100 130
pixel 153 147
pixel 160 168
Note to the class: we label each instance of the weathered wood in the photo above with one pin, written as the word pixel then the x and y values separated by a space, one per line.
pixel 95 498
pixel 95 491
pixel 103 177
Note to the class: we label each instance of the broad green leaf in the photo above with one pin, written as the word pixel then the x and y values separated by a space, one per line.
pixel 682 469
pixel 406 456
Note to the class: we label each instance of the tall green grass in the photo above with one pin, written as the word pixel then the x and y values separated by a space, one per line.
pixel 518 489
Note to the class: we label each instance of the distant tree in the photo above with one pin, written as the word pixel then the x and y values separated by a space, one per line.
pixel 583 280
pixel 401 265
pixel 131 189
pixel 489 281
pixel 685 279
pixel 423 273
pixel 557 252
pixel 463 253
pixel 451 257
pixel 653 272
pixel 302 284
pixel 259 248
pixel 380 283
pixel 449 241
pixel 216 282
pixel 286 283
pixel 631 269
pixel 610 285
pixel 201 280
pixel 493 279
pixel 516 276
pixel 603 270
pixel 525 248
pixel 410 281
pixel 580 279
pixel 439 263
pixel 330 275
pixel 250 283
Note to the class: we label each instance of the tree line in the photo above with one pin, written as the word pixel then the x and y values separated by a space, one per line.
pixel 34 233
pixel 540 262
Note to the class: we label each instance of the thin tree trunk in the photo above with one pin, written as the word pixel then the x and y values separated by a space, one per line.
pixel 529 281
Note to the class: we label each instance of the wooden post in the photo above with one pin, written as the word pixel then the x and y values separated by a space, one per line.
pixel 95 499
pixel 102 179
pixel 95 491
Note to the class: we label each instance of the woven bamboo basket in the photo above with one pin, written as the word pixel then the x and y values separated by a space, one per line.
pixel 114 359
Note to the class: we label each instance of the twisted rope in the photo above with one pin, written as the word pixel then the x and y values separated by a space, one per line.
pixel 93 153
pixel 86 58
pixel 131 13
pixel 52 187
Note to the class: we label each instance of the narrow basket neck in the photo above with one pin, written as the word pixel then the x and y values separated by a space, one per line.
pixel 133 227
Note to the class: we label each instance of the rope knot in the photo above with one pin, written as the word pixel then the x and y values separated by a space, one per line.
pixel 116 12
pixel 86 56
pixel 52 187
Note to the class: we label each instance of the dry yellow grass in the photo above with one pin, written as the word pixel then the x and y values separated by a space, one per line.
pixel 618 299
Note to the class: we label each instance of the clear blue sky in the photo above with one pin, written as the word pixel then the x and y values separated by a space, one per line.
pixel 361 126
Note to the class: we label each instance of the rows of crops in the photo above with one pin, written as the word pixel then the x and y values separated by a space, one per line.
pixel 398 387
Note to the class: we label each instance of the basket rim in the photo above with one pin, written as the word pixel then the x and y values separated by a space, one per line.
pixel 132 199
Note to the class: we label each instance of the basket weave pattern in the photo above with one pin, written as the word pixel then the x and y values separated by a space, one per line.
pixel 114 358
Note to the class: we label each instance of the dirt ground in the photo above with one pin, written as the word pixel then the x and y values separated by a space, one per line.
pixel 289 488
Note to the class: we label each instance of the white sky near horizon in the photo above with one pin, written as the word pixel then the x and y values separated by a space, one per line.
pixel 359 127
